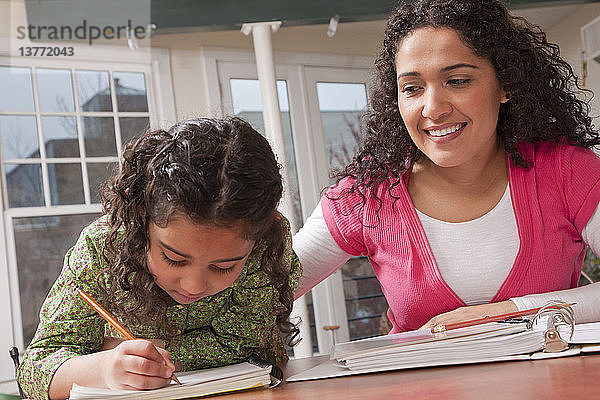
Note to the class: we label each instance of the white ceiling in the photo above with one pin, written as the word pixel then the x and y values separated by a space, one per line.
pixel 547 17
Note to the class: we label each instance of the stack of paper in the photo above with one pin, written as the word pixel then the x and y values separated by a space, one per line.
pixel 193 384
pixel 489 342
pixel 583 333
pixel 422 348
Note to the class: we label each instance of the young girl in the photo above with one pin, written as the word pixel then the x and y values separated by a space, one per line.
pixel 191 255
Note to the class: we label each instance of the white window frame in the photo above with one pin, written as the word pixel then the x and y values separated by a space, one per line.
pixel 161 113
pixel 301 71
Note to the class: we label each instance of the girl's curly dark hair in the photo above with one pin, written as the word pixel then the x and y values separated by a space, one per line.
pixel 219 172
pixel 542 87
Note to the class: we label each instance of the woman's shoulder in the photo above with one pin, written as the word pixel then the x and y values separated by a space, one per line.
pixel 567 173
pixel 350 188
pixel 550 154
pixel 349 200
pixel 560 163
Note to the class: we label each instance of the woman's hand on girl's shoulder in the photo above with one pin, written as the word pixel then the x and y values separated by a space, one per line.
pixel 136 365
pixel 472 312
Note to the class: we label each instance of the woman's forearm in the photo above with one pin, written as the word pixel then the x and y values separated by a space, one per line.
pixel 317 251
pixel 587 299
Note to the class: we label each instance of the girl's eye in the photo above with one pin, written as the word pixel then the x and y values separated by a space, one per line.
pixel 170 261
pixel 459 82
pixel 222 270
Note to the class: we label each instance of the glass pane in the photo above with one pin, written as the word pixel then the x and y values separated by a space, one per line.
pixel 66 184
pixel 342 106
pixel 133 127
pixel 591 268
pixel 55 90
pixel 99 136
pixel 93 90
pixel 41 244
pixel 365 303
pixel 60 136
pixel 19 136
pixel 131 91
pixel 311 321
pixel 246 96
pixel 98 173
pixel 24 185
pixel 17 82
pixel 247 104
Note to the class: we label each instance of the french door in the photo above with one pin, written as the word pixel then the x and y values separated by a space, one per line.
pixel 323 101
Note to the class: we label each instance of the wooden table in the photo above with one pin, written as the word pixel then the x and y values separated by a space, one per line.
pixel 567 378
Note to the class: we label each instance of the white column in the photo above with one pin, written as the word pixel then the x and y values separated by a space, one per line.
pixel 265 67
pixel 300 312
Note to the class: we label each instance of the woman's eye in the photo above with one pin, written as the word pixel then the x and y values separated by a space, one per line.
pixel 459 82
pixel 408 90
pixel 171 261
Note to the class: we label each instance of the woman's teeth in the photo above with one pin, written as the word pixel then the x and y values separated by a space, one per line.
pixel 445 131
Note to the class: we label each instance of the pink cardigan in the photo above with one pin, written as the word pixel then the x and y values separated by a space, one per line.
pixel 553 201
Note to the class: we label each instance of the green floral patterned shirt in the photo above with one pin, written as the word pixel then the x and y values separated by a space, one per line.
pixel 217 330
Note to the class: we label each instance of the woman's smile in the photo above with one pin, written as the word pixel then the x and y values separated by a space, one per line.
pixel 445 133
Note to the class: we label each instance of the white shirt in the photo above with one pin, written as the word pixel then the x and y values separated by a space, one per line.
pixel 475 257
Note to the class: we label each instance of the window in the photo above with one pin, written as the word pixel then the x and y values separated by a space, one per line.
pixel 61 132
pixel 62 136
pixel 341 97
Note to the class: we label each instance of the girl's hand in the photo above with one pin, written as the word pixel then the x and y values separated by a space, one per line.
pixel 472 312
pixel 110 342
pixel 136 365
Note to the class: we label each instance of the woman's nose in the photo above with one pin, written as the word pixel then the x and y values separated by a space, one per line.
pixel 435 104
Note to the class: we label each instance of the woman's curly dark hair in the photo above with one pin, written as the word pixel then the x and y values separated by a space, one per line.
pixel 542 87
pixel 219 172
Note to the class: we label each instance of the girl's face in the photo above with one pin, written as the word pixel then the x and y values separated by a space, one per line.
pixel 190 261
pixel 448 97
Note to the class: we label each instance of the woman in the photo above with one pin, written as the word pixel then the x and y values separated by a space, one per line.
pixel 475 189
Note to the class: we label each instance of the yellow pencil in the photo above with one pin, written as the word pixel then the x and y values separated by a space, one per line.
pixel 109 318
pixel 494 318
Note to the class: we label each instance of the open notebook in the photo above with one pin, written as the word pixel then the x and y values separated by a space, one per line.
pixel 477 344
pixel 193 384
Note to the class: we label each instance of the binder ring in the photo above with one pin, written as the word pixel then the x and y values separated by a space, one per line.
pixel 559 313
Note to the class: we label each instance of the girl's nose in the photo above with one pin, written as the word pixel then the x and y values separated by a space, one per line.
pixel 194 284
